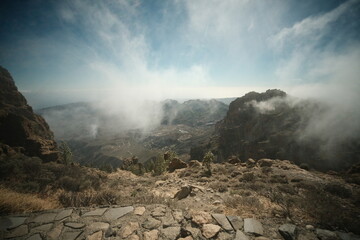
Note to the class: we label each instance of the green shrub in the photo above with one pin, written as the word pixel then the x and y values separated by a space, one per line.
pixel 207 160
pixel 65 153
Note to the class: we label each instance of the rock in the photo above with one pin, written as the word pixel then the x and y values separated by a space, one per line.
pixel 240 236
pixel 11 222
pixel 151 223
pixel 35 237
pixel 129 228
pixel 20 231
pixel 210 230
pixel 95 213
pixel 110 232
pixel 116 213
pixel 347 236
pixel 44 218
pixel 184 192
pixel 20 127
pixel 42 228
pixel 323 234
pixel 168 220
pixel 55 232
pixel 250 163
pixel 201 217
pixel 178 215
pixel 186 238
pixel 194 163
pixel 98 226
pixel 264 162
pixel 134 237
pixel 176 163
pixel 224 236
pixel 223 221
pixel 195 232
pixel 170 233
pixel 288 231
pixel 75 225
pixel 95 236
pixel 253 226
pixel 236 222
pixel 310 227
pixel 139 211
pixel 234 160
pixel 75 235
pixel 63 214
pixel 158 212
pixel 151 235
pixel 262 238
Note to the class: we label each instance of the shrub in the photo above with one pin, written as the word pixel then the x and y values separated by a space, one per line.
pixel 65 153
pixel 248 177
pixel 338 190
pixel 207 160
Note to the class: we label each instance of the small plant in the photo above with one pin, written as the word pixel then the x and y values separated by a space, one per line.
pixel 65 152
pixel 207 160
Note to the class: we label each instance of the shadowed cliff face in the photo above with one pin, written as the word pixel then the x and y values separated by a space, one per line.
pixel 271 124
pixel 20 127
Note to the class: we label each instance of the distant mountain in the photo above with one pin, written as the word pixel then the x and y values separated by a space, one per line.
pixel 20 127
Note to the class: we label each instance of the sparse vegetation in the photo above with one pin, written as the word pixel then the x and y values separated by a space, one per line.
pixel 207 160
pixel 65 153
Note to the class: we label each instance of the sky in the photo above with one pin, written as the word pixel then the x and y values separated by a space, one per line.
pixel 84 50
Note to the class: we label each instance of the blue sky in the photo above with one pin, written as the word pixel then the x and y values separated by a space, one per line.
pixel 66 51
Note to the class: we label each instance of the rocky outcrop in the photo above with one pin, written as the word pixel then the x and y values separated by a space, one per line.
pixel 20 127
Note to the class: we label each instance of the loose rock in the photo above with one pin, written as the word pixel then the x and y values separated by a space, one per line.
pixel 288 231
pixel 253 226
pixel 210 230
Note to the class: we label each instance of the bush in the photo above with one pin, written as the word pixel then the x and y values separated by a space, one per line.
pixel 338 190
pixel 207 160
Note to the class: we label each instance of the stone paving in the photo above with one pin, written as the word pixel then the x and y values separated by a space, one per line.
pixel 150 222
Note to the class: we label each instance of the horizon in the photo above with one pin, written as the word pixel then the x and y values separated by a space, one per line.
pixel 71 51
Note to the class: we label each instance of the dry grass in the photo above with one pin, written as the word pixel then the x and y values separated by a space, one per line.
pixel 14 202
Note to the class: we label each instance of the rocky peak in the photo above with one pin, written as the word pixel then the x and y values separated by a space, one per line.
pixel 20 127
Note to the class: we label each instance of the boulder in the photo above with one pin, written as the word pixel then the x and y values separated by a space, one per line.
pixel 176 163
pixel 253 226
pixel 210 230
pixel 288 231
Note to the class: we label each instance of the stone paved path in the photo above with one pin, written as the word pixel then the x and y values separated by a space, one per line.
pixel 145 223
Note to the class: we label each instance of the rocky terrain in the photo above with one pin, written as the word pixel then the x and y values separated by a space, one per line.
pixel 20 128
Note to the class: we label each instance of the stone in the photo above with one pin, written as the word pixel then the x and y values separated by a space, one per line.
pixel 168 220
pixel 194 163
pixel 35 237
pixel 201 217
pixel 75 225
pixel 95 236
pixel 323 234
pixel 240 236
pixel 195 232
pixel 129 228
pixel 63 214
pixel 55 232
pixel 210 230
pixel 139 211
pixel 158 212
pixel 98 226
pixel 151 223
pixel 264 162
pixel 170 233
pixel 224 236
pixel 134 237
pixel 110 232
pixel 223 221
pixel 42 228
pixel 151 235
pixel 262 238
pixel 116 213
pixel 187 238
pixel 236 222
pixel 11 222
pixel 72 235
pixel 234 160
pixel 95 213
pixel 183 192
pixel 176 163
pixel 347 236
pixel 288 231
pixel 20 231
pixel 178 215
pixel 253 226
pixel 310 227
pixel 44 218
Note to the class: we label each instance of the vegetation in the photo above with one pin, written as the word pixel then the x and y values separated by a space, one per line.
pixel 207 160
pixel 65 153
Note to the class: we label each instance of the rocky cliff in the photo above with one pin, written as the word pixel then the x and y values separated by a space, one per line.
pixel 20 127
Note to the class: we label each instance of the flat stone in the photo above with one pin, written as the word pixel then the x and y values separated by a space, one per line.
pixel 347 236
pixel 75 225
pixel 262 238
pixel 41 228
pixel 96 212
pixel 170 233
pixel 63 214
pixel 158 212
pixel 116 213
pixel 55 232
pixel 210 230
pixel 35 237
pixel 194 231
pixel 187 238
pixel 288 231
pixel 129 228
pixel 151 223
pixel 20 231
pixel 201 217
pixel 224 236
pixel 45 218
pixel 71 235
pixel 139 211
pixel 236 222
pixel 223 221
pixel 323 234
pixel 178 215
pixel 11 222
pixel 134 237
pixel 151 235
pixel 240 236
pixel 98 226
pixel 110 232
pixel 95 236
pixel 168 220
pixel 253 226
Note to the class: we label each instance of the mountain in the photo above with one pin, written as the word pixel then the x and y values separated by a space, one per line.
pixel 271 125
pixel 20 128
